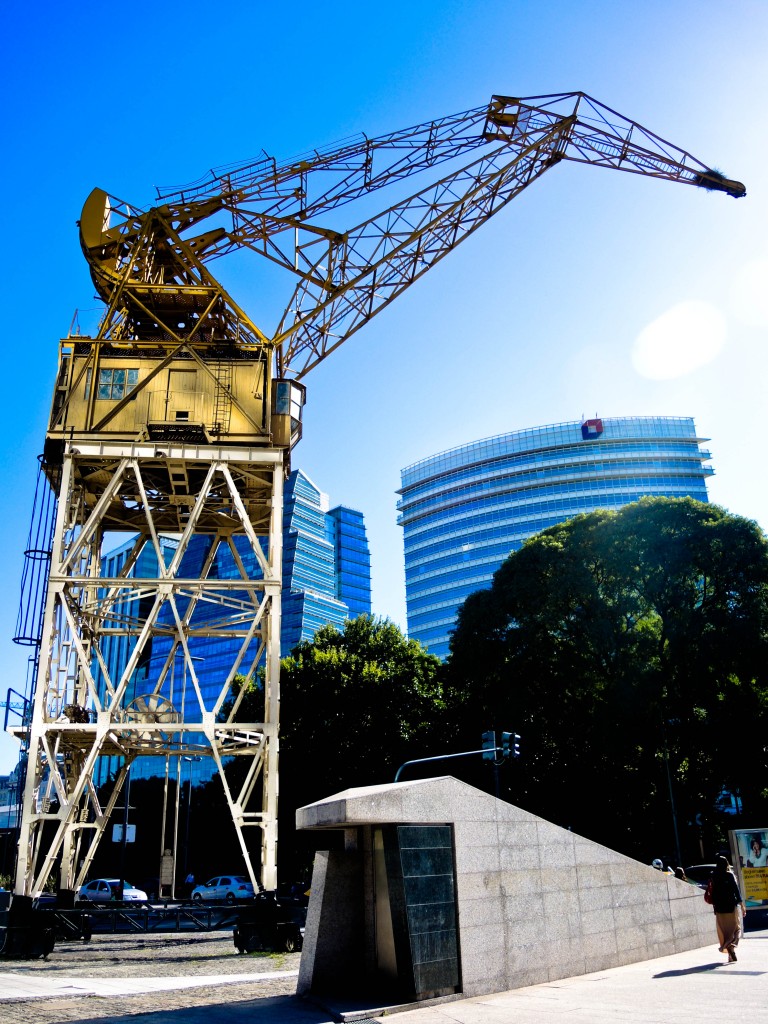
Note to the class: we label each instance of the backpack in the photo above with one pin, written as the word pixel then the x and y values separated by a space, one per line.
pixel 708 892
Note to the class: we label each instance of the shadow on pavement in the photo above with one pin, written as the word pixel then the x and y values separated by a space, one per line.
pixel 699 969
pixel 270 1010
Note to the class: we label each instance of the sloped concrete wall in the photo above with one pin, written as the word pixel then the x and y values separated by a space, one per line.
pixel 535 901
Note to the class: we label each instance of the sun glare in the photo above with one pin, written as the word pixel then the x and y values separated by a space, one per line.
pixel 749 294
pixel 687 336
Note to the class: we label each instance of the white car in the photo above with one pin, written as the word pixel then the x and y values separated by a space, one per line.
pixel 224 887
pixel 107 890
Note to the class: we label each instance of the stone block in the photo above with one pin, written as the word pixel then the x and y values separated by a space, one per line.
pixel 481 911
pixel 631 937
pixel 660 933
pixel 517 833
pixel 478 885
pixel 597 898
pixel 632 955
pixel 469 804
pixel 639 914
pixel 476 833
pixel 426 803
pixel 526 906
pixel 685 928
pixel 591 876
pixel 482 951
pixel 477 859
pixel 641 892
pixel 519 857
pixel 601 959
pixel 522 932
pixel 599 923
pixel 567 969
pixel 539 952
pixel 561 904
pixel 557 855
pixel 520 883
pixel 558 879
pixel 532 974
pixel 505 812
pixel 560 926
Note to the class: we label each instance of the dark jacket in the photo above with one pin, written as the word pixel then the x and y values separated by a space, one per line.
pixel 725 892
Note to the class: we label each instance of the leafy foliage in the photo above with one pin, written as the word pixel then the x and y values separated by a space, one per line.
pixel 629 650
pixel 355 703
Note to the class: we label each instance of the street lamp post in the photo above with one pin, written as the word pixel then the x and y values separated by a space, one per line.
pixel 126 808
pixel 179 759
pixel 179 785
pixel 189 808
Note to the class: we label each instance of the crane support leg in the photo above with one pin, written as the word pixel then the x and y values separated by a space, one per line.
pixel 187 506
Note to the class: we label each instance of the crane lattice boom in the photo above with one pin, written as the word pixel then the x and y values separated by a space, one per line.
pixel 150 266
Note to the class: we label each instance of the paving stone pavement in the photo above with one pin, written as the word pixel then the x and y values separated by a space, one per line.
pixel 695 987
pixel 170 972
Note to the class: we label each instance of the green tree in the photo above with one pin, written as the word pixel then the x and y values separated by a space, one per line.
pixel 355 703
pixel 629 650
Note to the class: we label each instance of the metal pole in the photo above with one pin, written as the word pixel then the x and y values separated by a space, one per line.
pixel 126 801
pixel 186 829
pixel 189 811
pixel 672 805
pixel 440 757
pixel 673 809
pixel 176 826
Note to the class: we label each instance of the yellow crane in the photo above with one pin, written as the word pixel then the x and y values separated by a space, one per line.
pixel 178 417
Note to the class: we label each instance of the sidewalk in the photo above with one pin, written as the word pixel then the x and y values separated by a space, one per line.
pixel 688 988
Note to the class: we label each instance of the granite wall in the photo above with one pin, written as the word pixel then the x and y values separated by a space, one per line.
pixel 535 901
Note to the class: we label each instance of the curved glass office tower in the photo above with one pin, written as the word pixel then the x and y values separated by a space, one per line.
pixel 464 510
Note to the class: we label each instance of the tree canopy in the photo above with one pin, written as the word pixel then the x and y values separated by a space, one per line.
pixel 629 650
pixel 355 703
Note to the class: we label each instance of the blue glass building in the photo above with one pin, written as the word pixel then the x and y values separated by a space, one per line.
pixel 118 647
pixel 125 620
pixel 326 563
pixel 326 579
pixel 465 510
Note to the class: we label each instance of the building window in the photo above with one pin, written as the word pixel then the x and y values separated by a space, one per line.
pixel 116 384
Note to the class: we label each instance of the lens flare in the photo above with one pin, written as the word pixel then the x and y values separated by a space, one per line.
pixel 689 335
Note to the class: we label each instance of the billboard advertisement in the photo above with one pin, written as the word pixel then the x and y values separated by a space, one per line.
pixel 749 852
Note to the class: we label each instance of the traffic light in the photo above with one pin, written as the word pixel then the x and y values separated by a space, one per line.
pixel 510 744
pixel 489 745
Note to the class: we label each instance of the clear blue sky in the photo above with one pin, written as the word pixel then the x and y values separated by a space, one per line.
pixel 550 311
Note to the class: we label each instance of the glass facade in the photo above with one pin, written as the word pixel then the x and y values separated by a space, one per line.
pixel 326 563
pixel 465 510
pixel 326 579
pixel 352 559
pixel 117 648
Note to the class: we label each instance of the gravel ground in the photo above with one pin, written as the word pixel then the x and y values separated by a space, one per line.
pixel 137 956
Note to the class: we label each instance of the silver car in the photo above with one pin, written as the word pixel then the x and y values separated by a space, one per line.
pixel 230 888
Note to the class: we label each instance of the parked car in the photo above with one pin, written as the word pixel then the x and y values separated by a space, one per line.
pixel 107 890
pixel 271 922
pixel 225 887
pixel 700 874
